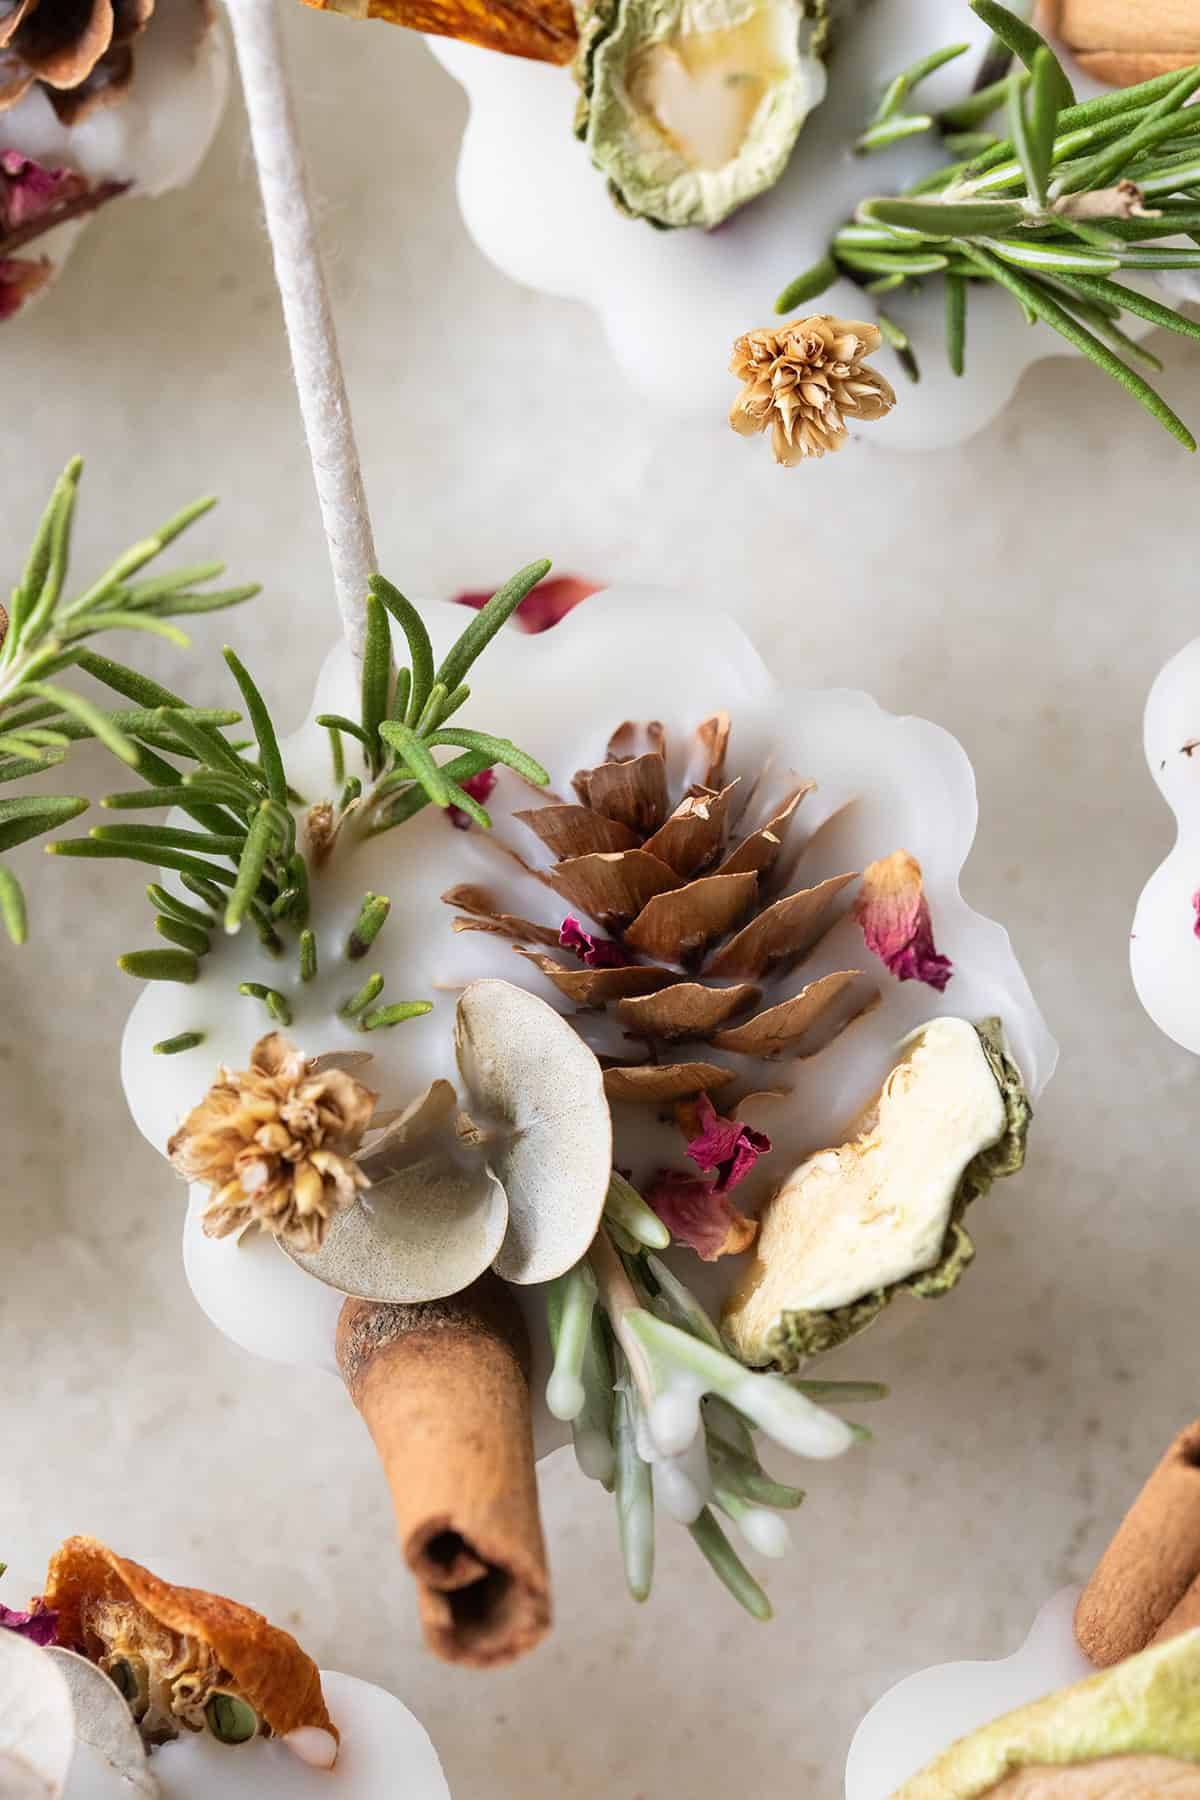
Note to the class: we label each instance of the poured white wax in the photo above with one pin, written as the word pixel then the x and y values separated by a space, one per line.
pixel 926 1713
pixel 883 782
pixel 384 1752
pixel 159 134
pixel 1164 951
pixel 538 209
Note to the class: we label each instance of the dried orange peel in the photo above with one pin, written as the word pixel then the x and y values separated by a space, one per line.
pixel 543 32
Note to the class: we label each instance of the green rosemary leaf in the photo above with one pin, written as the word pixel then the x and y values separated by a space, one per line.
pixel 173 1046
pixel 188 937
pixel 468 804
pixel 207 746
pixel 123 621
pixel 902 85
pixel 260 840
pixel 974 108
pixel 12 907
pixel 271 998
pixel 89 850
pixel 454 701
pixel 37 756
pixel 413 752
pixel 715 1547
pixel 487 622
pixel 40 607
pixel 129 682
pixel 350 793
pixel 892 131
pixel 16 765
pixel 1033 132
pixel 160 965
pixel 203 889
pixel 270 761
pixel 281 906
pixel 308 956
pixel 384 1016
pixel 15 714
pixel 1156 124
pixel 39 738
pixel 164 901
pixel 337 755
pixel 402 693
pixel 808 286
pixel 404 806
pixel 376 678
pixel 956 323
pixel 936 180
pixel 297 874
pixel 1025 43
pixel 1052 257
pixel 1041 302
pixel 372 917
pixel 156 771
pixel 420 650
pixel 431 714
pixel 138 555
pixel 157 588
pixel 1135 231
pixel 30 815
pixel 898 338
pixel 634 1495
pixel 969 143
pixel 1131 300
pixel 901 262
pixel 38 562
pixel 879 237
pixel 886 284
pixel 501 750
pixel 945 219
pixel 1171 178
pixel 359 1001
pixel 100 724
pixel 169 837
pixel 182 604
pixel 339 722
pixel 141 799
pixel 1164 258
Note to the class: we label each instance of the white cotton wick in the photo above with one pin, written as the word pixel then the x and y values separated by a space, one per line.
pixel 316 362
pixel 313 1746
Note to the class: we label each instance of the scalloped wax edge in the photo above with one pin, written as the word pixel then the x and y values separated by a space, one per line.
pixel 914 782
pixel 927 1712
pixel 1164 952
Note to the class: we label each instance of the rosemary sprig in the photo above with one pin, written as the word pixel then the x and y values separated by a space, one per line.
pixel 43 633
pixel 1069 196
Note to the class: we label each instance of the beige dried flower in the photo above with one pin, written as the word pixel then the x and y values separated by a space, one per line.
pixel 801 380
pixel 274 1144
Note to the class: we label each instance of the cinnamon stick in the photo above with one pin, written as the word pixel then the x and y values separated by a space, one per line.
pixel 1122 44
pixel 1148 1580
pixel 444 1391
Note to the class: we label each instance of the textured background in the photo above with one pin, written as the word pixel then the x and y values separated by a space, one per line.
pixel 1022 591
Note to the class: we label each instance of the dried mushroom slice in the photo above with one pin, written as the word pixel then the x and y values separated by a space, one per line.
pixel 1129 1733
pixel 692 111
pixel 104 1722
pixel 37 1722
pixel 528 1071
pixel 854 1224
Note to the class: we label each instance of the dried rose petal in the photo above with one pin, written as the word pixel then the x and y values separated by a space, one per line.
pixel 724 1146
pixel 698 1213
pixel 597 953
pixel 894 916
pixel 40 1625
pixel 28 191
pixel 478 787
pixel 1196 909
pixel 544 605
pixel 20 278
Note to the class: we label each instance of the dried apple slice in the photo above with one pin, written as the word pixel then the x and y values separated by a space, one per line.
pixel 527 1068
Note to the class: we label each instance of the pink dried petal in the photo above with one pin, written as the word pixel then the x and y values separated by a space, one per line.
pixel 896 926
pixel 698 1214
pixel 1196 909
pixel 28 191
pixel 725 1146
pixel 20 278
pixel 544 605
pixel 40 1625
pixel 596 952
pixel 478 787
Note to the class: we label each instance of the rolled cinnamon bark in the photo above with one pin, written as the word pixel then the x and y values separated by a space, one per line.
pixel 1123 43
pixel 444 1391
pixel 1186 1616
pixel 1151 1565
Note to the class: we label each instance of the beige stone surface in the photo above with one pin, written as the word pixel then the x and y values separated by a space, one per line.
pixel 1023 591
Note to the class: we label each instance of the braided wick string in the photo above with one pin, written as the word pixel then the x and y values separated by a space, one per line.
pixel 316 362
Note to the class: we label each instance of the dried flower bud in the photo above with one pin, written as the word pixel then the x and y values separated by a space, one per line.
pixel 274 1145
pixel 802 379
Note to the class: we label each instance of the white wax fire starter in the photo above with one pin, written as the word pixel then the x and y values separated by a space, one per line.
pixel 384 1751
pixel 884 782
pixel 1164 951
pixel 155 137
pixel 926 1713
pixel 537 208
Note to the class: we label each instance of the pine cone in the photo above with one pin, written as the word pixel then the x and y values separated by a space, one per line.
pixel 79 52
pixel 701 921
